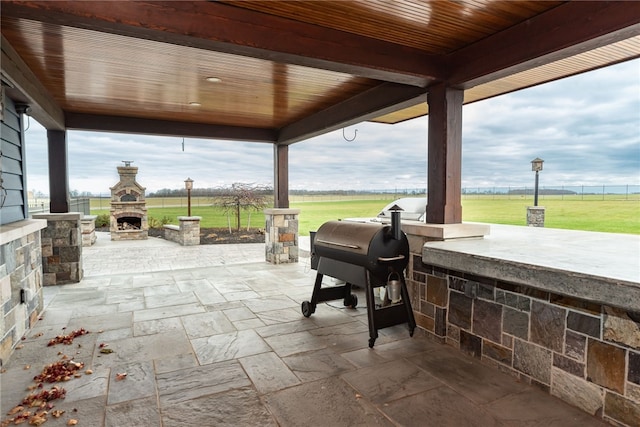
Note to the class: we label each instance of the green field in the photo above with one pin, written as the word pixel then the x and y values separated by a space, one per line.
pixel 614 214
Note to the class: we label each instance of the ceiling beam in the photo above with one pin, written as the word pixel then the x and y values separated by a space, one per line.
pixel 224 28
pixel 375 102
pixel 29 89
pixel 133 125
pixel 569 29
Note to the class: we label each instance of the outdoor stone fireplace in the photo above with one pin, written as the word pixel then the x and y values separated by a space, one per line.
pixel 128 206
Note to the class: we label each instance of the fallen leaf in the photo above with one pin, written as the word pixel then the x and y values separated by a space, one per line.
pixel 72 422
pixel 57 413
pixel 36 403
pixel 88 372
pixel 19 346
pixel 106 351
pixel 27 367
pixel 15 410
pixel 121 376
pixel 38 419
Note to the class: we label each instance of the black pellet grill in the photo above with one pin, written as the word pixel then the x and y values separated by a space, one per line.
pixel 365 255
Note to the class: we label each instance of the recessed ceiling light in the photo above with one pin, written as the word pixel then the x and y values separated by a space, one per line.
pixel 194 104
pixel 213 79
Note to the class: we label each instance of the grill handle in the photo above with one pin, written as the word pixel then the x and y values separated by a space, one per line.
pixel 342 245
pixel 391 259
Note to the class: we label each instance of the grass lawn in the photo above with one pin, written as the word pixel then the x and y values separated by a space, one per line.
pixel 616 215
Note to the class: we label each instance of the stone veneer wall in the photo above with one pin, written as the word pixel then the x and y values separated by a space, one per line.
pixel 586 354
pixel 187 234
pixel 61 248
pixel 20 278
pixel 281 235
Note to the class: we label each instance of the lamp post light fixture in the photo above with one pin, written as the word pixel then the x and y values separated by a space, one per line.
pixel 536 166
pixel 188 184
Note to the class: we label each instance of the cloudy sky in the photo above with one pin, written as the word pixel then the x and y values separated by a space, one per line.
pixel 586 128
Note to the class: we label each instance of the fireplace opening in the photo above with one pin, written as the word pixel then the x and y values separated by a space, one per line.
pixel 129 223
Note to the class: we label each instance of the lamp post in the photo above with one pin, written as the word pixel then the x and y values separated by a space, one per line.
pixel 188 184
pixel 536 166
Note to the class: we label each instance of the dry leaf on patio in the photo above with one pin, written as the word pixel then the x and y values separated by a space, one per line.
pixel 88 372
pixel 38 419
pixel 106 351
pixel 121 376
pixel 72 422
pixel 19 346
pixel 67 339
pixel 15 410
pixel 59 371
pixel 57 413
pixel 27 367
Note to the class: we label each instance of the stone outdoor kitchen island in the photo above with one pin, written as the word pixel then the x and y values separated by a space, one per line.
pixel 558 309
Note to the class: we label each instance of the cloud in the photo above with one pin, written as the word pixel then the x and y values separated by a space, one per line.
pixel 585 127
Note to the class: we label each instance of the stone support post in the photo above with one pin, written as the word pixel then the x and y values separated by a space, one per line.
pixel 281 235
pixel 61 248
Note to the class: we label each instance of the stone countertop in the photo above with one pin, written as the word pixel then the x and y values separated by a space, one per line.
pixel 19 229
pixel 601 267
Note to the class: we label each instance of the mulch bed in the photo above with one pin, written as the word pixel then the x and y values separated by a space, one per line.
pixel 217 236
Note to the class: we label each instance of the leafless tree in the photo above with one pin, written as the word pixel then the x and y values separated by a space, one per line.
pixel 242 197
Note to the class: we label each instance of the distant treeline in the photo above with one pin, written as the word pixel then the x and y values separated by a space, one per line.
pixel 543 191
pixel 399 192
pixel 213 192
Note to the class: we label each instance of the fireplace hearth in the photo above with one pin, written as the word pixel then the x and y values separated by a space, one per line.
pixel 128 206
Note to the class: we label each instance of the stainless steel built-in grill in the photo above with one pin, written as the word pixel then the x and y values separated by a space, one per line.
pixel 366 255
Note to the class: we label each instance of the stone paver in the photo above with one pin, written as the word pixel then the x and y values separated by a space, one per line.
pixel 214 336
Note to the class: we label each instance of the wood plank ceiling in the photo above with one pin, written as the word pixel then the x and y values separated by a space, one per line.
pixel 284 71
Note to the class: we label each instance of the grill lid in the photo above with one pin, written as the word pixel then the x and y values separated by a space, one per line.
pixel 353 237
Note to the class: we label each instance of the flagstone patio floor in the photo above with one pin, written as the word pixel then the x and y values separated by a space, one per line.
pixel 214 336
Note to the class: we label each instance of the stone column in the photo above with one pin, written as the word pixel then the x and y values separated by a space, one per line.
pixel 88 226
pixel 61 248
pixel 281 235
pixel 189 230
pixel 535 216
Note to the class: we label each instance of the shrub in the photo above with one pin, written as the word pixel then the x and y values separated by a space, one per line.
pixel 158 223
pixel 103 221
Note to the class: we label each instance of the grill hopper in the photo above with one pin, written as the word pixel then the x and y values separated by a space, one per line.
pixel 364 254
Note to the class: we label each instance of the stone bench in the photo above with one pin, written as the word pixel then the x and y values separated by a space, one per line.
pixel 187 233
